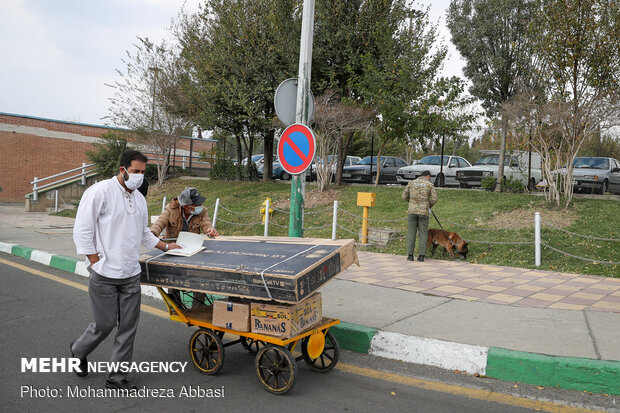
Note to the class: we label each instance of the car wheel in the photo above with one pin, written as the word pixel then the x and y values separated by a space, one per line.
pixel 604 188
pixel 373 179
pixel 440 180
pixel 463 185
pixel 285 176
pixel 532 184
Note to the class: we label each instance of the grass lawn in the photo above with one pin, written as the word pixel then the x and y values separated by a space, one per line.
pixel 474 215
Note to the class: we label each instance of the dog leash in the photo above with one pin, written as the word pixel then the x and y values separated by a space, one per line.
pixel 441 226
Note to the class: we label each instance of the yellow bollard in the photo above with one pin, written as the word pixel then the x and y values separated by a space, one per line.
pixel 262 210
pixel 366 200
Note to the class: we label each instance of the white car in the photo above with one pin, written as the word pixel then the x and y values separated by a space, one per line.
pixel 432 163
pixel 516 166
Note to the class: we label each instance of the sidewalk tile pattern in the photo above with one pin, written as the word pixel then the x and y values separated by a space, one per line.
pixel 488 283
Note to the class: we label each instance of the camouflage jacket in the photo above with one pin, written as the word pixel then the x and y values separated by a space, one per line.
pixel 421 195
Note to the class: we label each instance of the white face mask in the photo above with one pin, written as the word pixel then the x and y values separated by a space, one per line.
pixel 134 181
pixel 197 210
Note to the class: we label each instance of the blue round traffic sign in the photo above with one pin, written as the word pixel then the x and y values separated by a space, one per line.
pixel 296 148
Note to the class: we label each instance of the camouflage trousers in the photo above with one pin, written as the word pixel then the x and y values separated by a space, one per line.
pixel 417 223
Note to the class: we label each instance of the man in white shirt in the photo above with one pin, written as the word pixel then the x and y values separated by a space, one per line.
pixel 110 226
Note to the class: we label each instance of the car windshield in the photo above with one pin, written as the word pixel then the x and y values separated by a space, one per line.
pixel 591 163
pixel 491 160
pixel 366 161
pixel 433 160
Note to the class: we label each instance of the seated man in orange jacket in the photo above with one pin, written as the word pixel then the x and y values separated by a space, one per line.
pixel 185 213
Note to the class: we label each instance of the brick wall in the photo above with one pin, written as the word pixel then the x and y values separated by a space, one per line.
pixel 26 152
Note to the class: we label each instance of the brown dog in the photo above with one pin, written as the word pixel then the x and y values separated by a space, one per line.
pixel 448 240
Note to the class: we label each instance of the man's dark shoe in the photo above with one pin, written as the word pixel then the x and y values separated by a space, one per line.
pixel 83 363
pixel 120 385
pixel 409 257
pixel 421 258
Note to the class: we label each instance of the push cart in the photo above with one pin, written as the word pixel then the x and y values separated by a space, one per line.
pixel 275 365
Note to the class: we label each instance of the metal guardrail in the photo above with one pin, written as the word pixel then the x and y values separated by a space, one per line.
pixel 85 169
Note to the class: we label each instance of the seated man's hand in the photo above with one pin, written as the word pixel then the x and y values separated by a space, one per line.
pixel 174 246
pixel 212 232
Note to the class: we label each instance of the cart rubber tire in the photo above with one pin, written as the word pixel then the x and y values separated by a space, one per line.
pixel 328 358
pixel 206 351
pixel 276 369
pixel 252 346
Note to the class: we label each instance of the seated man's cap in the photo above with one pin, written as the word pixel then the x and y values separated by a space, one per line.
pixel 190 196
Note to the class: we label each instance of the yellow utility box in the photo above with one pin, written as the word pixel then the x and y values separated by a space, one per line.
pixel 366 199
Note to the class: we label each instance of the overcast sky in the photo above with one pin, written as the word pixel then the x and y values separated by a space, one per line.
pixel 57 55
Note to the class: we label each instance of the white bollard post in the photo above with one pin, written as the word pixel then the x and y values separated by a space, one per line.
pixel 163 205
pixel 335 220
pixel 183 167
pixel 217 206
pixel 56 201
pixel 537 239
pixel 35 189
pixel 266 233
pixel 83 174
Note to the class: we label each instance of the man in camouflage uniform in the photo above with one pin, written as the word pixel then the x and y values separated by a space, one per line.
pixel 421 195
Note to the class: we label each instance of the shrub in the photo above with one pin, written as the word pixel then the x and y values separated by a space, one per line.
pixel 488 183
pixel 508 185
pixel 107 153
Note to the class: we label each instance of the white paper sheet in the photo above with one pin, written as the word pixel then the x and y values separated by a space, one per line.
pixel 190 244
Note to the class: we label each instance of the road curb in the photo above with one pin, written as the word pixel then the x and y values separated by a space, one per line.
pixel 597 376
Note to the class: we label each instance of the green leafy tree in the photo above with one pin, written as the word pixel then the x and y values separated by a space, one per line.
pixel 235 55
pixel 399 77
pixel 492 36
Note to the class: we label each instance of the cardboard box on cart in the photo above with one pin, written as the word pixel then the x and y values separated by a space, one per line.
pixel 281 269
pixel 286 320
pixel 233 315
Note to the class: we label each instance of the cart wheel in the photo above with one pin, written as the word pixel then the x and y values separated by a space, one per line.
pixel 207 351
pixel 276 369
pixel 328 359
pixel 252 346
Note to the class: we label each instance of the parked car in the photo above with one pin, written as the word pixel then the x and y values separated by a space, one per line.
pixel 432 163
pixel 277 171
pixel 257 159
pixel 361 172
pixel 595 175
pixel 516 165
pixel 333 159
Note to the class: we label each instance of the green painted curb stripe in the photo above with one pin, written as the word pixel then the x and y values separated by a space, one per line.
pixel 598 376
pixel 353 337
pixel 63 263
pixel 20 251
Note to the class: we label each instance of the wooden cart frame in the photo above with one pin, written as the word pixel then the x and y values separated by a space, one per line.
pixel 275 365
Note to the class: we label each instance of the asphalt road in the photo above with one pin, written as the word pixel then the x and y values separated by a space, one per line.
pixel 42 310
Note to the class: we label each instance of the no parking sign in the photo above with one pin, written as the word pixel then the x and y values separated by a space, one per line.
pixel 296 148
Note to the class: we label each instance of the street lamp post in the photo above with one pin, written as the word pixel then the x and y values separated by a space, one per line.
pixel 296 217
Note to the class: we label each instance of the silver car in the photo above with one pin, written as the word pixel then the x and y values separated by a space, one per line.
pixel 596 175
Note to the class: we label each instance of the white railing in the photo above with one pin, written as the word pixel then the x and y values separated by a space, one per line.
pixel 84 170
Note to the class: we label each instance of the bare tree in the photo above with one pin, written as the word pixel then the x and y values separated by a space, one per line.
pixel 142 100
pixel 332 120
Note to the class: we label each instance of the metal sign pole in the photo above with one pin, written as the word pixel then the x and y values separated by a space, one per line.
pixel 296 218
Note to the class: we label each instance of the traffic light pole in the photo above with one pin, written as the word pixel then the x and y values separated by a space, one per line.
pixel 296 218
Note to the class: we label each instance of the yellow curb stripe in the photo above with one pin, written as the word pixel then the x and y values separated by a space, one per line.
pixel 461 391
pixel 374 374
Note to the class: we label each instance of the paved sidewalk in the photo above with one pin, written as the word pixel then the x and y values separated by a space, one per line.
pixel 516 324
